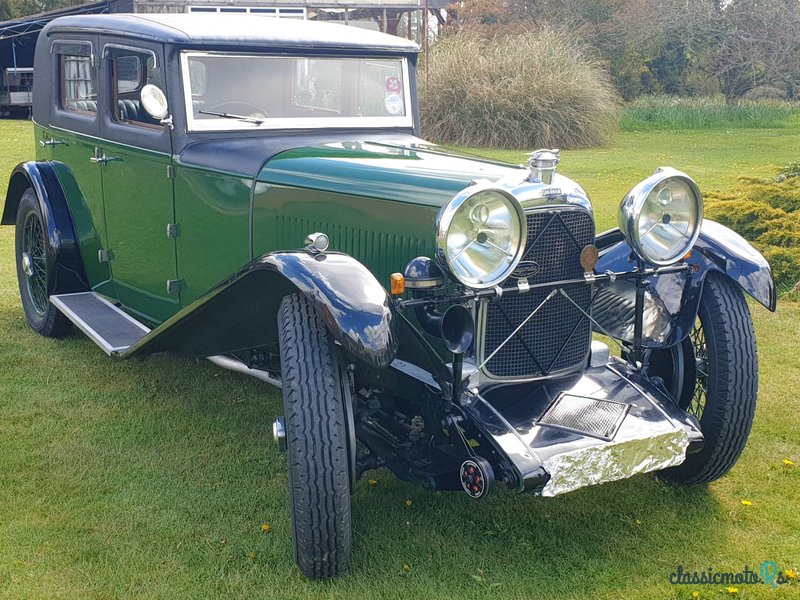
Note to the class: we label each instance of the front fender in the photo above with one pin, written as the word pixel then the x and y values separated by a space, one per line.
pixel 240 313
pixel 672 301
pixel 63 254
pixel 352 303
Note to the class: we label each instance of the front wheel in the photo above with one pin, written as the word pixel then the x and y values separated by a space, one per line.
pixel 715 374
pixel 34 271
pixel 317 441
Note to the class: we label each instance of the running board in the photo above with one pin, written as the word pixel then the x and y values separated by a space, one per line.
pixel 106 325
pixel 115 330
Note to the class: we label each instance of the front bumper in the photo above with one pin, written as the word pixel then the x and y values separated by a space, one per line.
pixel 605 424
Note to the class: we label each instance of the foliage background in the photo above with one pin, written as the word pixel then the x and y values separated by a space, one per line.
pixel 675 47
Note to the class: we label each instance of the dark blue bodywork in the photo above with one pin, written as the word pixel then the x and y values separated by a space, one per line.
pixel 672 300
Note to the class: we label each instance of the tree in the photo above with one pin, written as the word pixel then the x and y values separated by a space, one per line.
pixel 13 9
pixel 760 45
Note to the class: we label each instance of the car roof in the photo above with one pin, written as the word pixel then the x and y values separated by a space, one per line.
pixel 234 30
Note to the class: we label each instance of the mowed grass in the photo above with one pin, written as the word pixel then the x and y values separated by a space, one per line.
pixel 152 479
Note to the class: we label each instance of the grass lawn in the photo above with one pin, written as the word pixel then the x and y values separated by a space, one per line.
pixel 152 479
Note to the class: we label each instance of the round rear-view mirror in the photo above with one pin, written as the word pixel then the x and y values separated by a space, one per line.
pixel 154 101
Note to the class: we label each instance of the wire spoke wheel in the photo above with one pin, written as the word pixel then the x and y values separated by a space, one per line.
pixel 697 402
pixel 34 274
pixel 35 262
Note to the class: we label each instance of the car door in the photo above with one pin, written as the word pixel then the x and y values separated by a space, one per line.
pixel 69 144
pixel 135 158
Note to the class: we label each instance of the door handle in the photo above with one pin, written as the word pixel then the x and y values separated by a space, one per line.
pixel 102 159
pixel 53 142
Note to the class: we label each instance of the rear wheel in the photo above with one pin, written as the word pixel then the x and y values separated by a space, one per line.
pixel 714 374
pixel 33 271
pixel 317 441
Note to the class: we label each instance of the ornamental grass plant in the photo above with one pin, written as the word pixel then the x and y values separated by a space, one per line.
pixel 525 90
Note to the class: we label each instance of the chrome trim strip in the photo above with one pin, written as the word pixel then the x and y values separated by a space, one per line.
pixel 105 141
pixel 138 50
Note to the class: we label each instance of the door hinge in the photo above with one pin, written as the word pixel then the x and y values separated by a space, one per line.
pixel 104 256
pixel 169 172
pixel 174 286
pixel 173 231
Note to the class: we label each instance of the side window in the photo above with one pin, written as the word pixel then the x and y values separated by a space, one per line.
pixel 130 71
pixel 78 83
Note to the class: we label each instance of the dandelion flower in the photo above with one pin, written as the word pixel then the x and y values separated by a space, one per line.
pixel 787 463
pixel 373 482
pixel 695 594
pixel 790 574
pixel 732 590
pixel 265 527
pixel 747 503
pixel 409 503
pixel 406 567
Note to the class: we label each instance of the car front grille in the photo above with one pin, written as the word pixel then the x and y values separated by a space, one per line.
pixel 558 336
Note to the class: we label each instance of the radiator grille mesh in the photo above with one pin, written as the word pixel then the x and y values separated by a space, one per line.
pixel 558 336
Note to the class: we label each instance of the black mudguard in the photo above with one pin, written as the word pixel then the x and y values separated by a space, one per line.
pixel 672 301
pixel 63 255
pixel 240 313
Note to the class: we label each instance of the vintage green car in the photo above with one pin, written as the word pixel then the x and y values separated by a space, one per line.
pixel 254 192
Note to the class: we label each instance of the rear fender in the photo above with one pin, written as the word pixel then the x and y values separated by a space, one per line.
pixel 672 301
pixel 240 313
pixel 63 253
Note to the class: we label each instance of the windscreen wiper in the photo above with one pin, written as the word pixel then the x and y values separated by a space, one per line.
pixel 232 116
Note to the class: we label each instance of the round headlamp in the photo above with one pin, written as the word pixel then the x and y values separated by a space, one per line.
pixel 480 236
pixel 661 216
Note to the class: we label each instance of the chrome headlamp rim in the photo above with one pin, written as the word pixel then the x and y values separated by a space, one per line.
pixel 445 219
pixel 631 207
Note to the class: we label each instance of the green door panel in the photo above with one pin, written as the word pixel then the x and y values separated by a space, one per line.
pixel 381 234
pixel 213 215
pixel 138 207
pixel 82 183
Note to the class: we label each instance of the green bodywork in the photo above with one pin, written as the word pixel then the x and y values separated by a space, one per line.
pixel 377 203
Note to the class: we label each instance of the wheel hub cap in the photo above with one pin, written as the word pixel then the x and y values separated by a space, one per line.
pixel 27 264
pixel 279 433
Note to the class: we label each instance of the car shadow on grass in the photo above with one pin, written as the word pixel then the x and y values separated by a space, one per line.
pixel 599 536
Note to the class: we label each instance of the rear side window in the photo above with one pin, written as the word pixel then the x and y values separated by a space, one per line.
pixel 78 77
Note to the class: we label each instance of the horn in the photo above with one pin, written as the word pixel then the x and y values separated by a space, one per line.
pixel 455 326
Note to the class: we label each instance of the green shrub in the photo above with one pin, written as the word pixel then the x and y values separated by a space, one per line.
pixel 790 170
pixel 670 112
pixel 766 212
pixel 749 218
pixel 785 263
pixel 528 90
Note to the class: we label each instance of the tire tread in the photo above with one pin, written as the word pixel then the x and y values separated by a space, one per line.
pixel 316 440
pixel 733 383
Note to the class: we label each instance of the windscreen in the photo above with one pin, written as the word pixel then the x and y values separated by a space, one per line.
pixel 244 91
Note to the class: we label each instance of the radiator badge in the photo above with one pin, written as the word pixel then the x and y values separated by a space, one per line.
pixel 526 268
pixel 589 257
